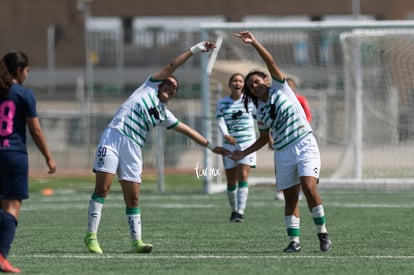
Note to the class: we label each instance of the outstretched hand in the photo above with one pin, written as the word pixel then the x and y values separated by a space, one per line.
pixel 246 37
pixel 204 46
pixel 209 46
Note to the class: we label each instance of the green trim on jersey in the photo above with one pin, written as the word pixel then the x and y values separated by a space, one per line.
pixel 172 126
pixel 141 112
pixel 239 123
pixel 284 115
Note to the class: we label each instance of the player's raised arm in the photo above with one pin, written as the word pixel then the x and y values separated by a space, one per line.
pixel 169 69
pixel 274 70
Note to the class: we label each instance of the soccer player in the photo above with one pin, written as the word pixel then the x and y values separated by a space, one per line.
pixel 237 127
pixel 306 108
pixel 296 152
pixel 119 151
pixel 17 109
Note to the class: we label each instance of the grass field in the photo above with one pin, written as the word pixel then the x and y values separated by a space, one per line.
pixel 371 231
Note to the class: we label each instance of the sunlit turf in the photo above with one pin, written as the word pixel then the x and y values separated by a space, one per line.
pixel 371 232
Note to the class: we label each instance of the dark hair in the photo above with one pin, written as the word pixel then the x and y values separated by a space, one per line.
pixel 233 76
pixel 173 77
pixel 9 65
pixel 247 93
pixel 14 61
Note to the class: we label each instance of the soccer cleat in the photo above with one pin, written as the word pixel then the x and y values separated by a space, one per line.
pixel 140 247
pixel 324 241
pixel 292 247
pixel 233 216
pixel 236 217
pixel 239 217
pixel 91 242
pixel 6 267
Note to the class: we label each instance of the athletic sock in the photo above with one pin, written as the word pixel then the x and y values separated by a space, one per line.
pixel 293 228
pixel 318 215
pixel 232 196
pixel 134 222
pixel 94 213
pixel 242 194
pixel 7 232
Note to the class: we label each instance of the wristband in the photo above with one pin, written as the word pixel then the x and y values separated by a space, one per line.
pixel 211 145
pixel 198 48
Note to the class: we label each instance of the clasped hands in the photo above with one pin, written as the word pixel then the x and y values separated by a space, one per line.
pixel 235 155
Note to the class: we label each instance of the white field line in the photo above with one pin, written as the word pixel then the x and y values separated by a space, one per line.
pixel 209 256
pixel 161 205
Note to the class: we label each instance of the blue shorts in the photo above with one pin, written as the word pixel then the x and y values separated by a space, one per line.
pixel 14 175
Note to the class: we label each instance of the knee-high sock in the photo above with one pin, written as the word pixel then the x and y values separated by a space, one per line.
pixel 134 222
pixel 242 194
pixel 8 227
pixel 318 215
pixel 292 227
pixel 232 197
pixel 94 213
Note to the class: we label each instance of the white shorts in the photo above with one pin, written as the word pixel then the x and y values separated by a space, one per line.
pixel 117 154
pixel 250 160
pixel 300 159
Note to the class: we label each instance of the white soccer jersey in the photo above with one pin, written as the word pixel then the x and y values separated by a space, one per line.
pixel 141 112
pixel 240 124
pixel 283 114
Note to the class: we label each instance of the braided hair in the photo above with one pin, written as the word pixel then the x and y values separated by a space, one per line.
pixel 248 95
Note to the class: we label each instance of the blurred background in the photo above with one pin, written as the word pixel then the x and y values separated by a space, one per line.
pixel 87 56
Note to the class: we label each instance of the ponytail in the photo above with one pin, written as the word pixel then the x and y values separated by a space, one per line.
pixel 6 80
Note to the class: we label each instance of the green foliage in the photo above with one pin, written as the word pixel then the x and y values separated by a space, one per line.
pixel 370 230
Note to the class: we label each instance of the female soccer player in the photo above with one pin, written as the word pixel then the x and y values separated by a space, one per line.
pixel 237 127
pixel 306 108
pixel 119 151
pixel 296 152
pixel 17 109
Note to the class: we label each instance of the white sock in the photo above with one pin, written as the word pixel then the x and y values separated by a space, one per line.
pixel 134 222
pixel 293 227
pixel 318 215
pixel 242 194
pixel 232 196
pixel 94 213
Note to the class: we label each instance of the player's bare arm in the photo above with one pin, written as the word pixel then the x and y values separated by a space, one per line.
pixel 259 143
pixel 274 70
pixel 38 137
pixel 199 139
pixel 169 69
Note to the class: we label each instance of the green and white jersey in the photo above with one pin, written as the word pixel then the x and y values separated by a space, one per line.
pixel 283 114
pixel 141 112
pixel 233 119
